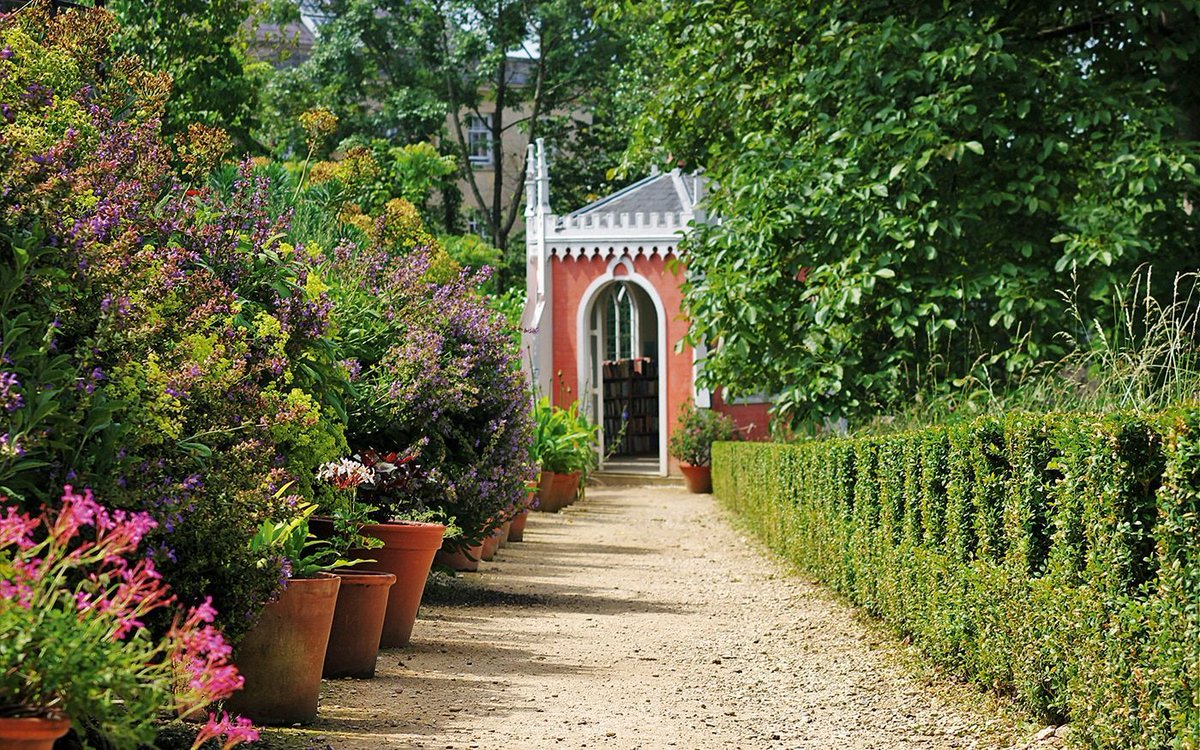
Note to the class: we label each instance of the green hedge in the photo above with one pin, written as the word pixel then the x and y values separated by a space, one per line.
pixel 1052 558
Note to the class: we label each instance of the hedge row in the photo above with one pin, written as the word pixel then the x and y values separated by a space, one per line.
pixel 1053 558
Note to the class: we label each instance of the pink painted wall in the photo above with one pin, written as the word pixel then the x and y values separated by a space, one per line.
pixel 753 419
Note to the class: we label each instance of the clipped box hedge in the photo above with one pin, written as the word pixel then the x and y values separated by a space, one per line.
pixel 1052 558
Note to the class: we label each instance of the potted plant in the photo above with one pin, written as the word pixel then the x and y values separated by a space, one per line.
pixel 363 595
pixel 410 526
pixel 438 407
pixel 459 558
pixel 565 444
pixel 281 657
pixel 75 594
pixel 516 532
pixel 691 444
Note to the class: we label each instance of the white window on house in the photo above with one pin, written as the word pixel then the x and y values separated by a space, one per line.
pixel 477 224
pixel 479 140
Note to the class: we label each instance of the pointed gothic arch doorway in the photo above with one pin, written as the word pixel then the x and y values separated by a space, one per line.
pixel 622 328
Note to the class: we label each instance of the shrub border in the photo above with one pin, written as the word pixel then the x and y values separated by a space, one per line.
pixel 1053 558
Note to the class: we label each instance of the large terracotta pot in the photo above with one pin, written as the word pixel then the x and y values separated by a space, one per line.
pixel 548 501
pixel 556 491
pixel 407 552
pixel 698 479
pixel 31 733
pixel 466 561
pixel 567 487
pixel 516 531
pixel 357 624
pixel 281 656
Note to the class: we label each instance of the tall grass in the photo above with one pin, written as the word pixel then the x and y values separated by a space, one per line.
pixel 1143 358
pixel 1141 355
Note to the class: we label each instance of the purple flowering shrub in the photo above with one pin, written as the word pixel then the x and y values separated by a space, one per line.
pixel 435 374
pixel 161 344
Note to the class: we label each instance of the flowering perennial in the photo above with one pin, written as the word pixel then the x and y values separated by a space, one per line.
pixel 74 596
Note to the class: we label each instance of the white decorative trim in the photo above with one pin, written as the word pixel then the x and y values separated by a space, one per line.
pixel 584 312
pixel 578 252
pixel 701 397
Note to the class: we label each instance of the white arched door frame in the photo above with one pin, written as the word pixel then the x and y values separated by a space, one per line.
pixel 582 332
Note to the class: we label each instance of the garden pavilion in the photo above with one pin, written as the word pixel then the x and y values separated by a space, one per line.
pixel 603 318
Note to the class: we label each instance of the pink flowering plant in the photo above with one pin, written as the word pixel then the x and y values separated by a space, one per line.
pixel 75 596
pixel 696 431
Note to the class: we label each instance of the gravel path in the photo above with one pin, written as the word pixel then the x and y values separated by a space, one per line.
pixel 640 618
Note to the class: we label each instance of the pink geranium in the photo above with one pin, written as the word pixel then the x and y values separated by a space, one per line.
pixel 83 593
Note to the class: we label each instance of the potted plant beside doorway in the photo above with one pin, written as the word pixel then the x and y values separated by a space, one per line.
pixel 691 444
pixel 565 446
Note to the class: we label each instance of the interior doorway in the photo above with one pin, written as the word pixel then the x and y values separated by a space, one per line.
pixel 626 377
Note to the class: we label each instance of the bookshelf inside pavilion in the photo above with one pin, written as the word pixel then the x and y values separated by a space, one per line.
pixel 631 399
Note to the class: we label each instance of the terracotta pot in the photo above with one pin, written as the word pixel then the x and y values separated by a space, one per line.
pixel 407 552
pixel 31 733
pixel 697 478
pixel 357 624
pixel 567 486
pixel 491 543
pixel 281 656
pixel 465 561
pixel 557 490
pixel 505 530
pixel 548 501
pixel 516 531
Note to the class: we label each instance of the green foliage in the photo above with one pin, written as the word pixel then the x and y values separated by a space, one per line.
pixel 160 346
pixel 373 67
pixel 510 304
pixel 696 431
pixel 306 555
pixel 564 442
pixel 414 172
pixel 203 46
pixel 1135 354
pixel 404 71
pixel 471 251
pixel 904 190
pixel 1052 558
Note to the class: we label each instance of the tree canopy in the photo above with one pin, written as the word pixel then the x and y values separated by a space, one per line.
pixel 409 70
pixel 203 45
pixel 905 191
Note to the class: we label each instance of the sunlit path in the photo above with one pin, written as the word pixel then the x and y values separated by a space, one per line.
pixel 639 618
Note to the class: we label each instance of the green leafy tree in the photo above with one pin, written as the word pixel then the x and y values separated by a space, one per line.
pixel 373 65
pixel 203 45
pixel 412 70
pixel 555 93
pixel 904 190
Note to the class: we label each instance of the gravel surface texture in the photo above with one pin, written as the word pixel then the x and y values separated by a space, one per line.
pixel 642 618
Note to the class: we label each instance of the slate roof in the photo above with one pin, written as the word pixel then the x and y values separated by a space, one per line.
pixel 670 192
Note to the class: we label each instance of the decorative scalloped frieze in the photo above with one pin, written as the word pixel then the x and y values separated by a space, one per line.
pixel 587 252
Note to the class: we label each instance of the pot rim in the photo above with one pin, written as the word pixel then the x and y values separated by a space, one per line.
pixel 39 727
pixel 416 524
pixel 369 577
